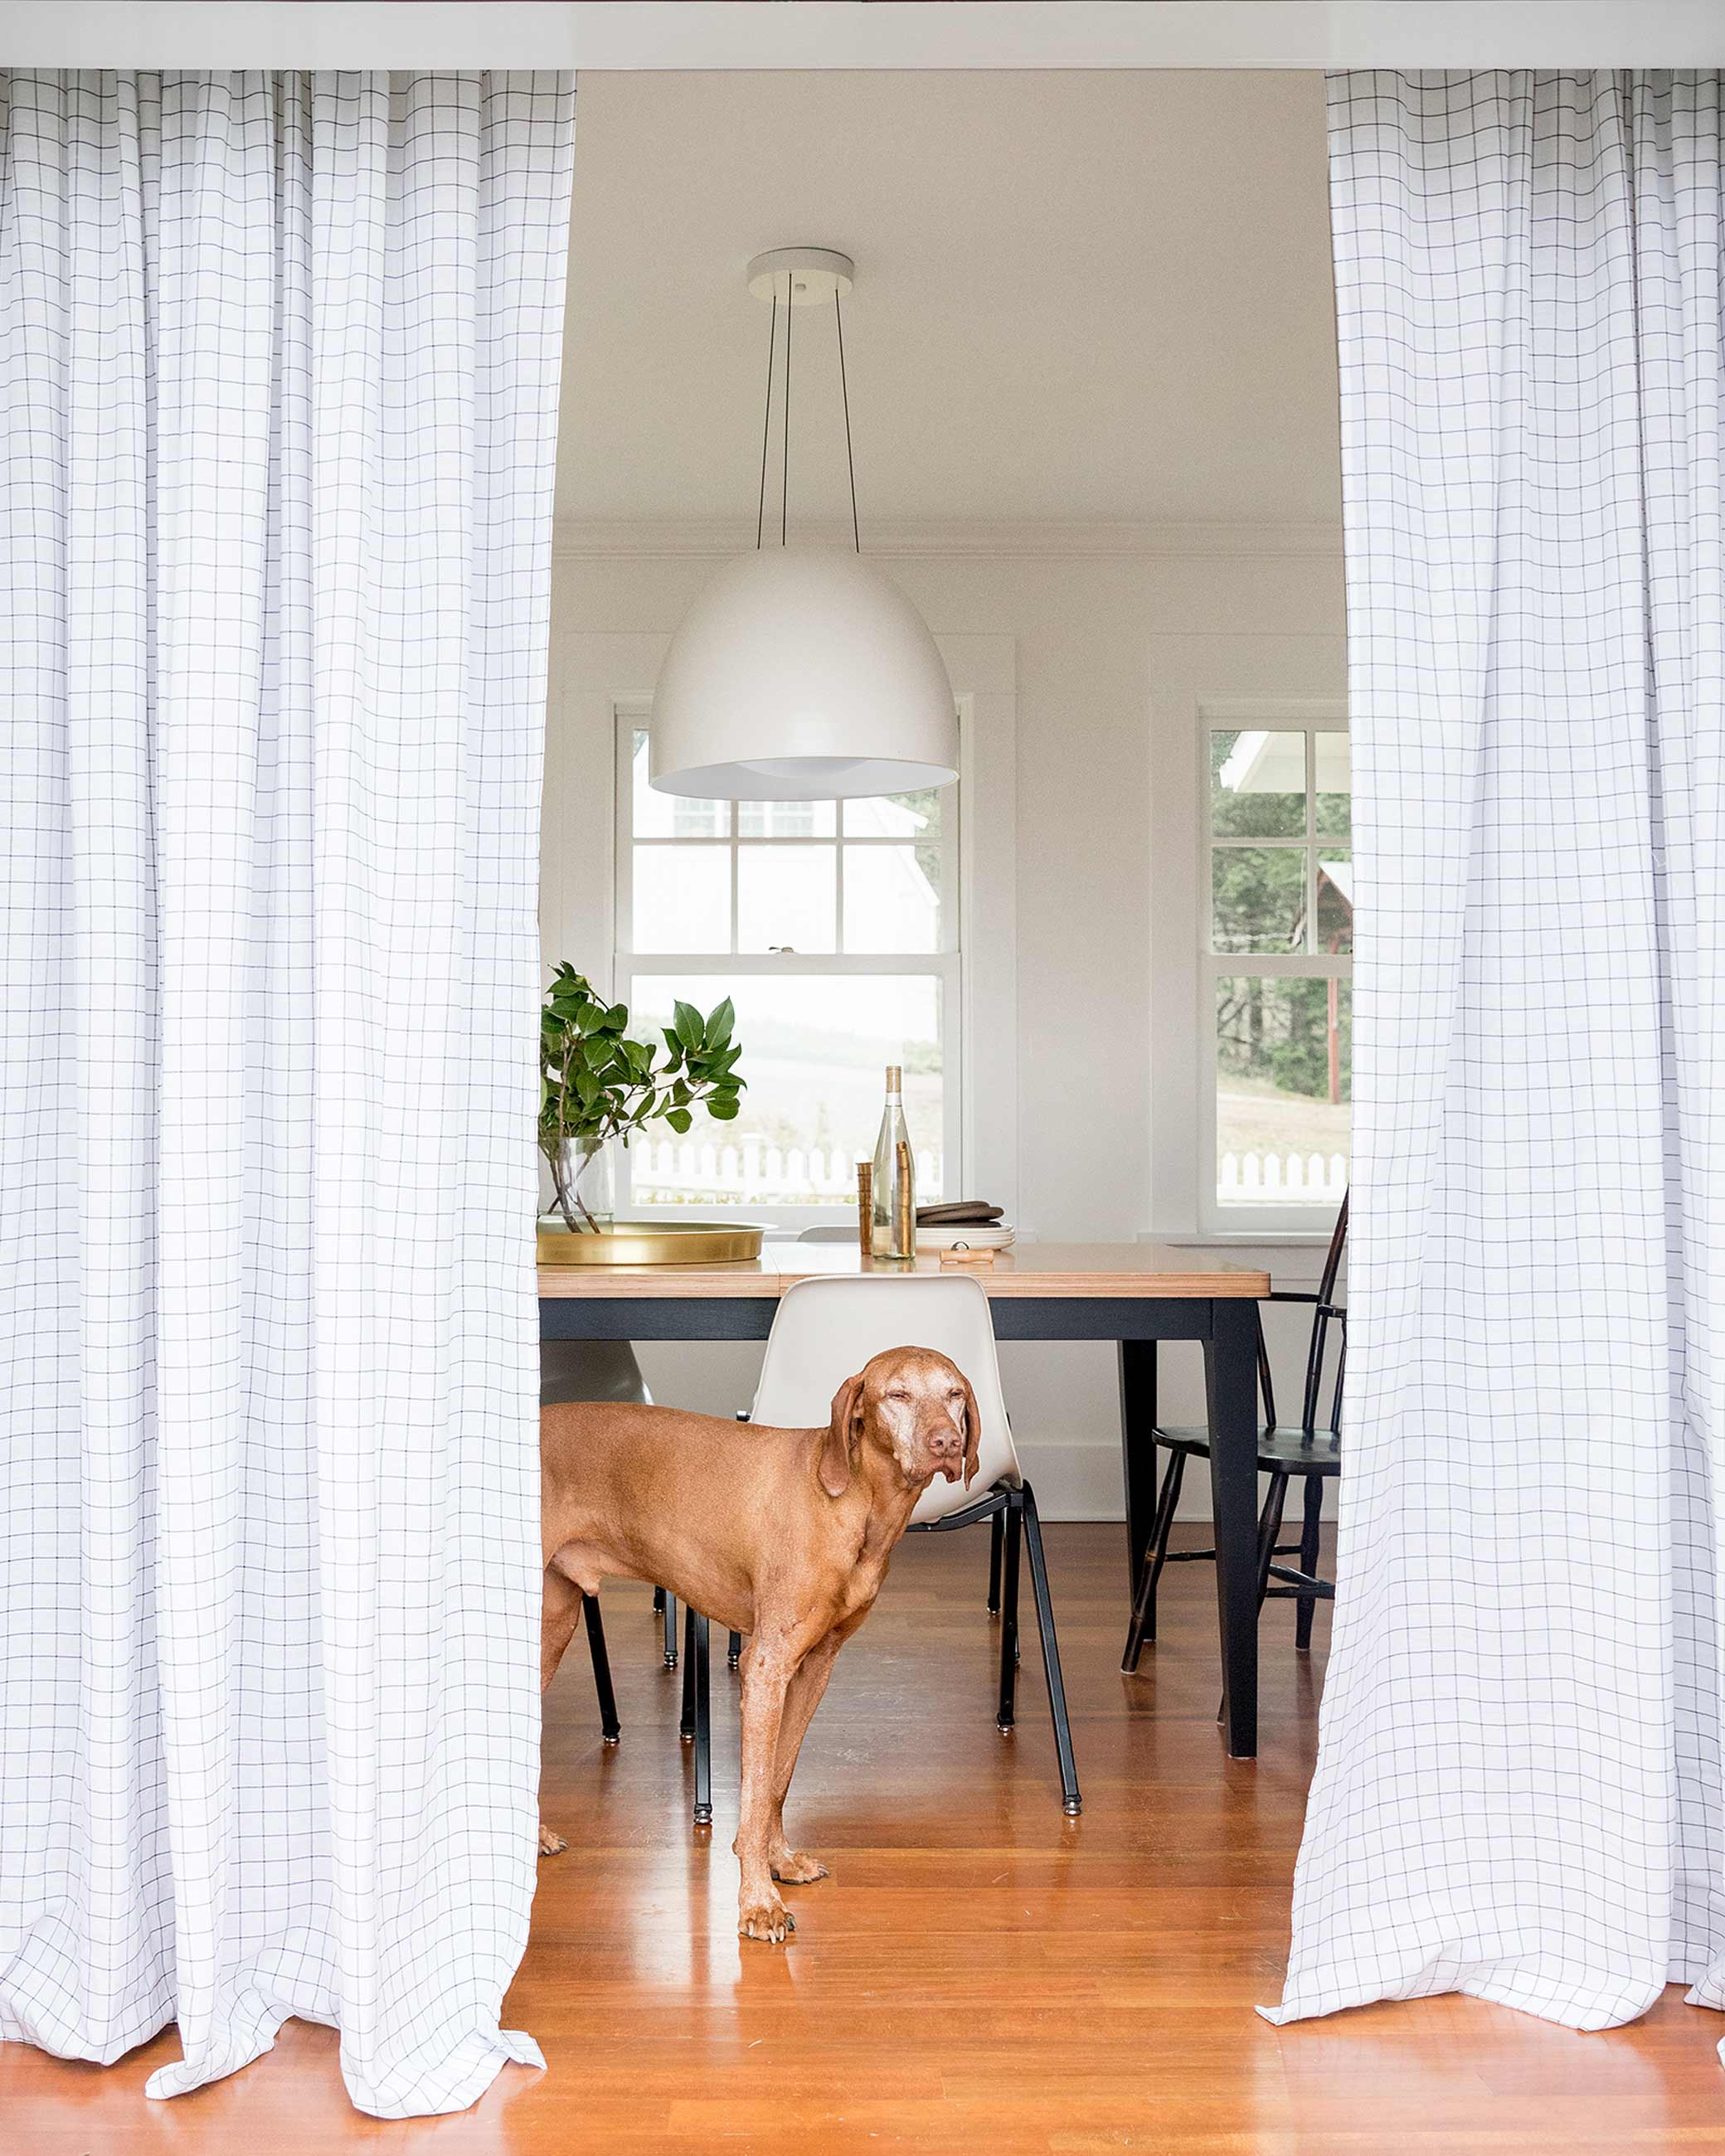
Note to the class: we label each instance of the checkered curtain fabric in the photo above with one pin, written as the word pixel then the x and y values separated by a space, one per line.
pixel 278 363
pixel 1518 1793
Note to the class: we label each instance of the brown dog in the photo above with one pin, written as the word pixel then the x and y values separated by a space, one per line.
pixel 781 1534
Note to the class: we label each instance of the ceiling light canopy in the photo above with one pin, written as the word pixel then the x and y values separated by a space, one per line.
pixel 801 674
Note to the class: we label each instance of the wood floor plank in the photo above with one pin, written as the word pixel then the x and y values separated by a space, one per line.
pixel 980 1974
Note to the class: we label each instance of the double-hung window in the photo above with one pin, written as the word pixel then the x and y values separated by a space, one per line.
pixel 833 927
pixel 1277 968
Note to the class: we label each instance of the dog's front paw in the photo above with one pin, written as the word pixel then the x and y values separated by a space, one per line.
pixel 769 1921
pixel 797 1868
pixel 550 1843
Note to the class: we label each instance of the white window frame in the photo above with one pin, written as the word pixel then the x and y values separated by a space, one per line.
pixel 946 966
pixel 1310 717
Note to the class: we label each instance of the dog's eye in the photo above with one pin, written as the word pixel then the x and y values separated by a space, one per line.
pixel 898 1393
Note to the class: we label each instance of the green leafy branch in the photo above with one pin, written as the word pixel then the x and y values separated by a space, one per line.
pixel 597 1084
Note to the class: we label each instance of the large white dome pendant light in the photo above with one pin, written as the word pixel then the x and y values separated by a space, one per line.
pixel 801 674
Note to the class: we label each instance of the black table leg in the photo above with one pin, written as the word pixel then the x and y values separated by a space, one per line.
pixel 1137 1450
pixel 1230 1363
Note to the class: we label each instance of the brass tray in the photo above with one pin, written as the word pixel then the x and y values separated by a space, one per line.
pixel 653 1242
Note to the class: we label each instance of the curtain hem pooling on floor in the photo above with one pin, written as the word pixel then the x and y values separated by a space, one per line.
pixel 1518 1793
pixel 278 360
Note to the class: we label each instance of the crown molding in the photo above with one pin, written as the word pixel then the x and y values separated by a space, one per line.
pixel 633 539
pixel 645 34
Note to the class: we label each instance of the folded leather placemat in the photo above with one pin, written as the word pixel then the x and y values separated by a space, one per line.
pixel 959 1213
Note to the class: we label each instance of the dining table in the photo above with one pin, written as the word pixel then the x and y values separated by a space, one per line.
pixel 1137 1295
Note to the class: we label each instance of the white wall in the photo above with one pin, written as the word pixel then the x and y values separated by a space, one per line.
pixel 1113 652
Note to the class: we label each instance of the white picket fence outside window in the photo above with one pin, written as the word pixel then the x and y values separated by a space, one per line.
pixel 672 1172
pixel 1270 1178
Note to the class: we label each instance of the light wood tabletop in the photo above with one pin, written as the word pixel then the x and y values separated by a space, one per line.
pixel 1040 1270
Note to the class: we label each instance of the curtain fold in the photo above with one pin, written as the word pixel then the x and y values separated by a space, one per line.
pixel 279 356
pixel 1518 1793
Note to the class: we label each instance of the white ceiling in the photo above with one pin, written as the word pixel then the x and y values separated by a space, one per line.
pixel 592 34
pixel 1079 295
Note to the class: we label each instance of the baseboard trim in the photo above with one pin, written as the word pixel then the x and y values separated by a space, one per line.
pixel 1082 1481
pixel 1074 1482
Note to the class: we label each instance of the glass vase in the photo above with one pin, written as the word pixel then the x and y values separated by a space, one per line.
pixel 584 1173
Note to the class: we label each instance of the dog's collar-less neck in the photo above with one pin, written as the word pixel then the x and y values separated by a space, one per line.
pixel 877 1488
pixel 890 1500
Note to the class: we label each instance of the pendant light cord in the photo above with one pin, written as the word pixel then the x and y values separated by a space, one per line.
pixel 784 493
pixel 767 425
pixel 784 486
pixel 845 390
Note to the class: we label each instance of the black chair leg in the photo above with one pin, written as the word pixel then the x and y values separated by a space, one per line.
pixel 1269 1531
pixel 669 1604
pixel 609 1726
pixel 733 1649
pixel 658 1600
pixel 686 1726
pixel 1012 1516
pixel 1143 1623
pixel 703 1727
pixel 997 1541
pixel 1306 1607
pixel 1070 1798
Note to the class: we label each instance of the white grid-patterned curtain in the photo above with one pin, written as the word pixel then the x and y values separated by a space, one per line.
pixel 1518 1792
pixel 279 365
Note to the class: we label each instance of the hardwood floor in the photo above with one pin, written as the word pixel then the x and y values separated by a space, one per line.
pixel 979 1975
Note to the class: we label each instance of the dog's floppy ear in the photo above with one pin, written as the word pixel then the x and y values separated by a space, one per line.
pixel 835 1454
pixel 973 1432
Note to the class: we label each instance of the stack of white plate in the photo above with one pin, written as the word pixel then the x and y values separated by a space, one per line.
pixel 976 1235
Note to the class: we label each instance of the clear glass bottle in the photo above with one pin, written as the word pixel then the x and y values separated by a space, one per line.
pixel 894 1222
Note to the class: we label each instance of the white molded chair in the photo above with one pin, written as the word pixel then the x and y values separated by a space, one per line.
pixel 823 1332
pixel 825 1329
